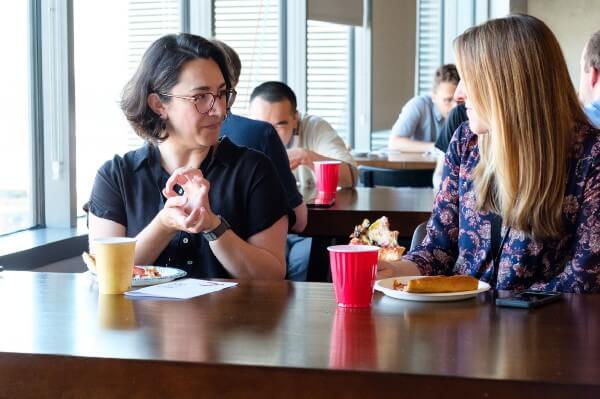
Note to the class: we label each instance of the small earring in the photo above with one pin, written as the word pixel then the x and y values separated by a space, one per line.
pixel 163 124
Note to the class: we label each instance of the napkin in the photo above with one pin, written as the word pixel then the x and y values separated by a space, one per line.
pixel 181 289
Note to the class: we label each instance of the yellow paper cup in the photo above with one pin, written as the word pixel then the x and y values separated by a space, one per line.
pixel 114 263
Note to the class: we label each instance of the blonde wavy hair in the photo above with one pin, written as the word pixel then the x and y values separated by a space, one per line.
pixel 516 78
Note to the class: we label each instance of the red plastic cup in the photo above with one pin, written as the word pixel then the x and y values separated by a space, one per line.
pixel 327 174
pixel 353 342
pixel 353 269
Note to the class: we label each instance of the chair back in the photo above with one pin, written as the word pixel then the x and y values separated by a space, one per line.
pixel 370 176
pixel 418 235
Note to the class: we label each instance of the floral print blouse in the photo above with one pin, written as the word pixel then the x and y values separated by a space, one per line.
pixel 458 237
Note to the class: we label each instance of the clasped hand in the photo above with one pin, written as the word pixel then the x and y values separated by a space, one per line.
pixel 191 211
pixel 299 156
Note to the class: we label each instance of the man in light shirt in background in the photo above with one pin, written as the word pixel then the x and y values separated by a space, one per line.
pixel 308 138
pixel 589 80
pixel 421 119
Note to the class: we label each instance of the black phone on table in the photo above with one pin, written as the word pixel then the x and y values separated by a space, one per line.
pixel 529 299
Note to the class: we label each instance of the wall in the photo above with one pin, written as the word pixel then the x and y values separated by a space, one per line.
pixel 572 22
pixel 394 29
pixel 394 40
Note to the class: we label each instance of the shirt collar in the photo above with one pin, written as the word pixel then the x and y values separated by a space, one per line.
pixel 143 154
pixel 221 152
pixel 295 139
pixel 436 114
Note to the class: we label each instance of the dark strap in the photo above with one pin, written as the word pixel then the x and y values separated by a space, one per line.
pixel 496 235
pixel 497 244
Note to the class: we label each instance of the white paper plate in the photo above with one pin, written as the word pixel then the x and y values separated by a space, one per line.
pixel 166 274
pixel 386 286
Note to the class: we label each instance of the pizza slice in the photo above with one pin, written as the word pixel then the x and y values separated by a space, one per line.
pixel 378 233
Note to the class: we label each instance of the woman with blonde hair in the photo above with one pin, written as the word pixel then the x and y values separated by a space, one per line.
pixel 519 203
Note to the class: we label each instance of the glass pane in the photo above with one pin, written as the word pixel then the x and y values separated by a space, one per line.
pixel 429 43
pixel 110 39
pixel 16 179
pixel 328 80
pixel 252 28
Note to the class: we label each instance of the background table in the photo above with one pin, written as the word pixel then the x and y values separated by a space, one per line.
pixel 405 208
pixel 285 340
pixel 398 160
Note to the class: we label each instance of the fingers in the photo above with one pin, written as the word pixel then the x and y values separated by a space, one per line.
pixel 182 176
pixel 197 221
pixel 176 201
pixel 191 210
pixel 172 215
pixel 385 273
pixel 192 219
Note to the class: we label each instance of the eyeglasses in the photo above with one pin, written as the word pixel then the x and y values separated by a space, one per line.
pixel 204 102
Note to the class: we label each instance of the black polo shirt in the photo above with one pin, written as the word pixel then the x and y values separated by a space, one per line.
pixel 244 189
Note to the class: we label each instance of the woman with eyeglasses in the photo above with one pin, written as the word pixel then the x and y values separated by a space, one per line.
pixel 519 203
pixel 192 199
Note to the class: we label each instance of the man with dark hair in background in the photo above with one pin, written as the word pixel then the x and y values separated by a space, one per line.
pixel 308 138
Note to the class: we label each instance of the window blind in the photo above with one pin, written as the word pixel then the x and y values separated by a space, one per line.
pixel 429 43
pixel 253 29
pixel 328 74
pixel 148 20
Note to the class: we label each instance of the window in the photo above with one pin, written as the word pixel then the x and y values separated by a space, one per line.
pixel 253 29
pixel 439 22
pixel 16 179
pixel 429 43
pixel 328 71
pixel 110 40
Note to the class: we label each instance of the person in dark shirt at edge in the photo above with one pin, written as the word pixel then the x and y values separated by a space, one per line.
pixel 456 117
pixel 262 136
pixel 192 199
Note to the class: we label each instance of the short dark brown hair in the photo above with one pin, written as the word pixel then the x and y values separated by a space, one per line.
pixel 157 73
pixel 446 74
pixel 233 60
pixel 592 53
pixel 274 92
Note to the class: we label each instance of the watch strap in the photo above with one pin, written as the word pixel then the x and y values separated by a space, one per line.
pixel 217 231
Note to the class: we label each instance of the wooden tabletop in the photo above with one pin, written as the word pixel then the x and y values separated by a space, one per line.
pixel 58 338
pixel 398 160
pixel 405 207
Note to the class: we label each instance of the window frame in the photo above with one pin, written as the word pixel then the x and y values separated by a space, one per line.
pixel 37 117
pixel 52 132
pixel 58 113
pixel 293 68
